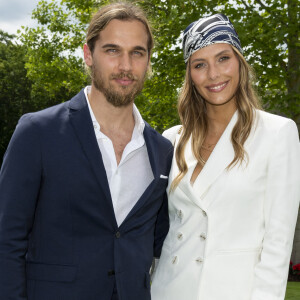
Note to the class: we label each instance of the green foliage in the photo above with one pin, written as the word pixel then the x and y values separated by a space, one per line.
pixel 52 63
pixel 14 87
pixel 269 32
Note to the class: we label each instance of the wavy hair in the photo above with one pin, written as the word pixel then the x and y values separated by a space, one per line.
pixel 123 11
pixel 192 113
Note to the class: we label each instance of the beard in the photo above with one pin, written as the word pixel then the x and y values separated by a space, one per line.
pixel 112 95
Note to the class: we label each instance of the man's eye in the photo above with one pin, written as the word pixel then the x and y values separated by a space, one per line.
pixel 111 50
pixel 137 53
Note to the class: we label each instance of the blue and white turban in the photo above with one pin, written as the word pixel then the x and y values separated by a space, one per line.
pixel 207 31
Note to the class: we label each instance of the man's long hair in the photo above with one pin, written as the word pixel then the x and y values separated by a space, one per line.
pixel 123 11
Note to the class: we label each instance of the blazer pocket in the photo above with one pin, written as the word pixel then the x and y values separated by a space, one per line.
pixel 236 251
pixel 48 272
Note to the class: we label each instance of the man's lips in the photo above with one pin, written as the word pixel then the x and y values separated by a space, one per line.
pixel 124 81
pixel 215 88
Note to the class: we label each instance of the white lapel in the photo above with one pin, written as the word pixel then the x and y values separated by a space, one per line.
pixel 191 162
pixel 219 159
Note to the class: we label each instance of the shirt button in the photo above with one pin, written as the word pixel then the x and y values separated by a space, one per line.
pixel 174 260
pixel 203 236
pixel 179 236
pixel 118 234
pixel 199 260
pixel 95 126
pixel 204 213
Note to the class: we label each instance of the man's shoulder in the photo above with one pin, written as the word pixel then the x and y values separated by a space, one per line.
pixel 51 114
pixel 160 138
pixel 45 116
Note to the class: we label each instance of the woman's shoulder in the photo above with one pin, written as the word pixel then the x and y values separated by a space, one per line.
pixel 273 122
pixel 171 133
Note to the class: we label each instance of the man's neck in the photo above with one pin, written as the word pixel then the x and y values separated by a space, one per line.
pixel 117 123
pixel 111 119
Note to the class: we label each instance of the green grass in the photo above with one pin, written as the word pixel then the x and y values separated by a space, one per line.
pixel 292 291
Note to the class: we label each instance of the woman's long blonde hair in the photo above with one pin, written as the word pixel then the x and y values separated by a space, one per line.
pixel 192 113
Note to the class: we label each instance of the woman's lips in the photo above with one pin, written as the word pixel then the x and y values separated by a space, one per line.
pixel 215 88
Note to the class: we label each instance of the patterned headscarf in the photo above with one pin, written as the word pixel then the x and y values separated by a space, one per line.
pixel 207 31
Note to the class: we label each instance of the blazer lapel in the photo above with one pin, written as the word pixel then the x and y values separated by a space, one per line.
pixel 82 123
pixel 150 137
pixel 219 159
pixel 191 162
pixel 151 143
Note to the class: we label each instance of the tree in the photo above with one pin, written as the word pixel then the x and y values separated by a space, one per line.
pixel 14 88
pixel 269 32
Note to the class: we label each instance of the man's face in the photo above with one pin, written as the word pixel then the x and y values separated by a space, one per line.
pixel 120 61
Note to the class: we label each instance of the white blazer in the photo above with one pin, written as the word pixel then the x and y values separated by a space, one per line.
pixel 231 233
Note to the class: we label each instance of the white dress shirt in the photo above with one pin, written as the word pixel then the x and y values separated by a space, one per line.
pixel 128 180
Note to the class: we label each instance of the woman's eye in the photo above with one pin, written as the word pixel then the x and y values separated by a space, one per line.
pixel 223 58
pixel 199 66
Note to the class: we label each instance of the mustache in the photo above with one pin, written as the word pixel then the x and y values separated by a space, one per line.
pixel 122 75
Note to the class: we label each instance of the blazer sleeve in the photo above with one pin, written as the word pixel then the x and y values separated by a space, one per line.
pixel 20 178
pixel 162 221
pixel 161 227
pixel 280 209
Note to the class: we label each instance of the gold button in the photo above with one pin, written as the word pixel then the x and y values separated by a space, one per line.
pixel 174 260
pixel 199 260
pixel 180 214
pixel 179 236
pixel 203 236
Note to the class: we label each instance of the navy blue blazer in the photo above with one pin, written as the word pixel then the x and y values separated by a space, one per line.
pixel 59 239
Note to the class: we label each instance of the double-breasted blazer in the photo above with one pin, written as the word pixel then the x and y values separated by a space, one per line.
pixel 231 232
pixel 59 239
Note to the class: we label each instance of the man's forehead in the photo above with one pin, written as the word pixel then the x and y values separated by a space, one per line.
pixel 124 32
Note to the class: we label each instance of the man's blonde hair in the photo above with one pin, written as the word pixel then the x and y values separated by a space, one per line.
pixel 120 11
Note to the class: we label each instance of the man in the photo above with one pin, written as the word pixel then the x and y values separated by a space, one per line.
pixel 83 206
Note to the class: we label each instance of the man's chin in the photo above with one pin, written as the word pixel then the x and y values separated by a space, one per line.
pixel 120 99
pixel 120 102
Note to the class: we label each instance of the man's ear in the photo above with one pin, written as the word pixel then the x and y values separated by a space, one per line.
pixel 88 57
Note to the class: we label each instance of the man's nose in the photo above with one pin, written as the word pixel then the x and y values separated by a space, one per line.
pixel 125 63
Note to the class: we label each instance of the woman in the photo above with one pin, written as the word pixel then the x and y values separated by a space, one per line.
pixel 234 183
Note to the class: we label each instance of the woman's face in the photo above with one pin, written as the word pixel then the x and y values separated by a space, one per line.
pixel 215 73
